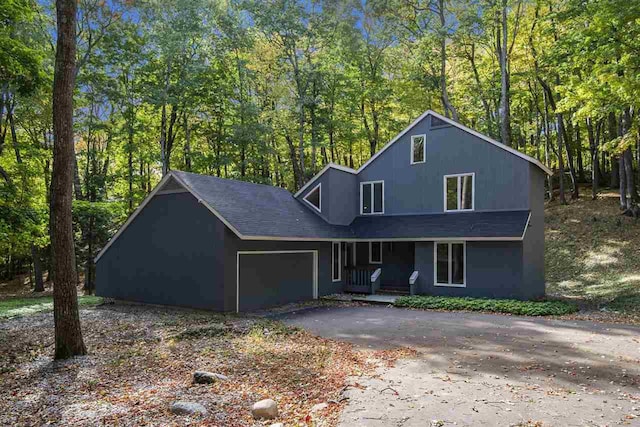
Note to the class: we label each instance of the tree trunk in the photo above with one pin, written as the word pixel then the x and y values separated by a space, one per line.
pixel 559 134
pixel 626 169
pixel 37 270
pixel 130 169
pixel 581 177
pixel 187 143
pixel 595 169
pixel 547 144
pixel 68 333
pixel 572 169
pixel 623 184
pixel 615 170
pixel 449 109
pixel 505 107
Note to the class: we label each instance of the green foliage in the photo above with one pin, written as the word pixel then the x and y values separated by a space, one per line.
pixel 270 91
pixel 524 308
pixel 625 304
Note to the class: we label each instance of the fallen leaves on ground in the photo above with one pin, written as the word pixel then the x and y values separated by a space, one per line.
pixel 142 359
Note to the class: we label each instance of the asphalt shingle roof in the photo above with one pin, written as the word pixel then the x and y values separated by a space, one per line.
pixel 268 211
pixel 502 224
pixel 260 210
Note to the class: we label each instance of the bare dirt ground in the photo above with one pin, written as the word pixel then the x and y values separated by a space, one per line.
pixel 482 369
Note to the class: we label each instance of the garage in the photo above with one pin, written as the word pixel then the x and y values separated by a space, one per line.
pixel 269 278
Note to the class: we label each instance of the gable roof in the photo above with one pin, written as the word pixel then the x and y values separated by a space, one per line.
pixel 459 126
pixel 258 211
pixel 319 174
pixel 407 129
pixel 263 212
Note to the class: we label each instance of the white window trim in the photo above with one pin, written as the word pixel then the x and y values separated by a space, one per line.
pixel 362 184
pixel 459 191
pixel 353 252
pixel 371 252
pixel 424 148
pixel 435 264
pixel 319 188
pixel 333 254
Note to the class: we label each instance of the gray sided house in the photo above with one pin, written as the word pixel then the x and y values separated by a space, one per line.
pixel 439 210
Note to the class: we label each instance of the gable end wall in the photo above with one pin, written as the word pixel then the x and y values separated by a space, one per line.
pixel 502 179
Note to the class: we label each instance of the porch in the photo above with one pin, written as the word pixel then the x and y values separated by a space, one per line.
pixel 382 268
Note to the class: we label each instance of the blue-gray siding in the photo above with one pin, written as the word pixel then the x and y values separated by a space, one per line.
pixel 494 270
pixel 340 192
pixel 274 279
pixel 502 178
pixel 233 244
pixel 170 254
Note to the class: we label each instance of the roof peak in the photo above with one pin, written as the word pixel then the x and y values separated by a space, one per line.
pixel 176 171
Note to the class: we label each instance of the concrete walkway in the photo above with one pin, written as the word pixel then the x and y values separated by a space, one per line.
pixel 480 369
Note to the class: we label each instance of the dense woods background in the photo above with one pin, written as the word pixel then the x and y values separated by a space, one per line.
pixel 270 91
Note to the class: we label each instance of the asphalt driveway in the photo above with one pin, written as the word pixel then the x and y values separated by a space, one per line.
pixel 482 369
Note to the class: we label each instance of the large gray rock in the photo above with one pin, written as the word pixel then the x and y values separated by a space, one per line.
pixel 266 408
pixel 204 377
pixel 319 407
pixel 188 408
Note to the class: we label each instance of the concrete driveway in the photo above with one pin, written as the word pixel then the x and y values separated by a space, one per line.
pixel 482 369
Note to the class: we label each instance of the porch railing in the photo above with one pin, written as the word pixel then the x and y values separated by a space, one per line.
pixel 412 282
pixel 358 279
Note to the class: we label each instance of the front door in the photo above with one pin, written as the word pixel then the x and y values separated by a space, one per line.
pixel 348 249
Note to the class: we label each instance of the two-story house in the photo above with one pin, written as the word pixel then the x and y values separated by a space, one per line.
pixel 439 210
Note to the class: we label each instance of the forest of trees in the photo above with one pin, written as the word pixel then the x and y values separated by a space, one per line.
pixel 270 91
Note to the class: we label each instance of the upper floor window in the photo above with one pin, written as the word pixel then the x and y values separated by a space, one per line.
pixel 314 197
pixel 418 149
pixel 459 192
pixel 372 197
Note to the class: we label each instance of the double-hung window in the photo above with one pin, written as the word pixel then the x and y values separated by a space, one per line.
pixel 336 273
pixel 450 264
pixel 459 192
pixel 372 197
pixel 418 149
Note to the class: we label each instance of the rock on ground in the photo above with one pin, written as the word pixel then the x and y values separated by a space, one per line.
pixel 188 408
pixel 204 377
pixel 319 407
pixel 266 408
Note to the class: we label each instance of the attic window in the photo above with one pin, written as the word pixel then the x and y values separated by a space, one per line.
pixel 314 197
pixel 418 149
pixel 438 122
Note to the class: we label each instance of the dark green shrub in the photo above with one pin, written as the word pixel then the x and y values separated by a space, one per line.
pixel 526 308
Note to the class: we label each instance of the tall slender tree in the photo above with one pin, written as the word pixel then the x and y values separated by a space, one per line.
pixel 68 333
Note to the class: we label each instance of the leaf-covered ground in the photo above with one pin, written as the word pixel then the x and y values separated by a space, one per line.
pixel 592 257
pixel 142 359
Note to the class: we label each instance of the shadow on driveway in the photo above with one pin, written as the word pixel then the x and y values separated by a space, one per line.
pixel 544 364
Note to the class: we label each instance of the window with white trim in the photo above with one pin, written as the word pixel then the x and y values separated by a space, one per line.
pixel 418 149
pixel 375 252
pixel 372 197
pixel 450 264
pixel 336 271
pixel 314 197
pixel 459 192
